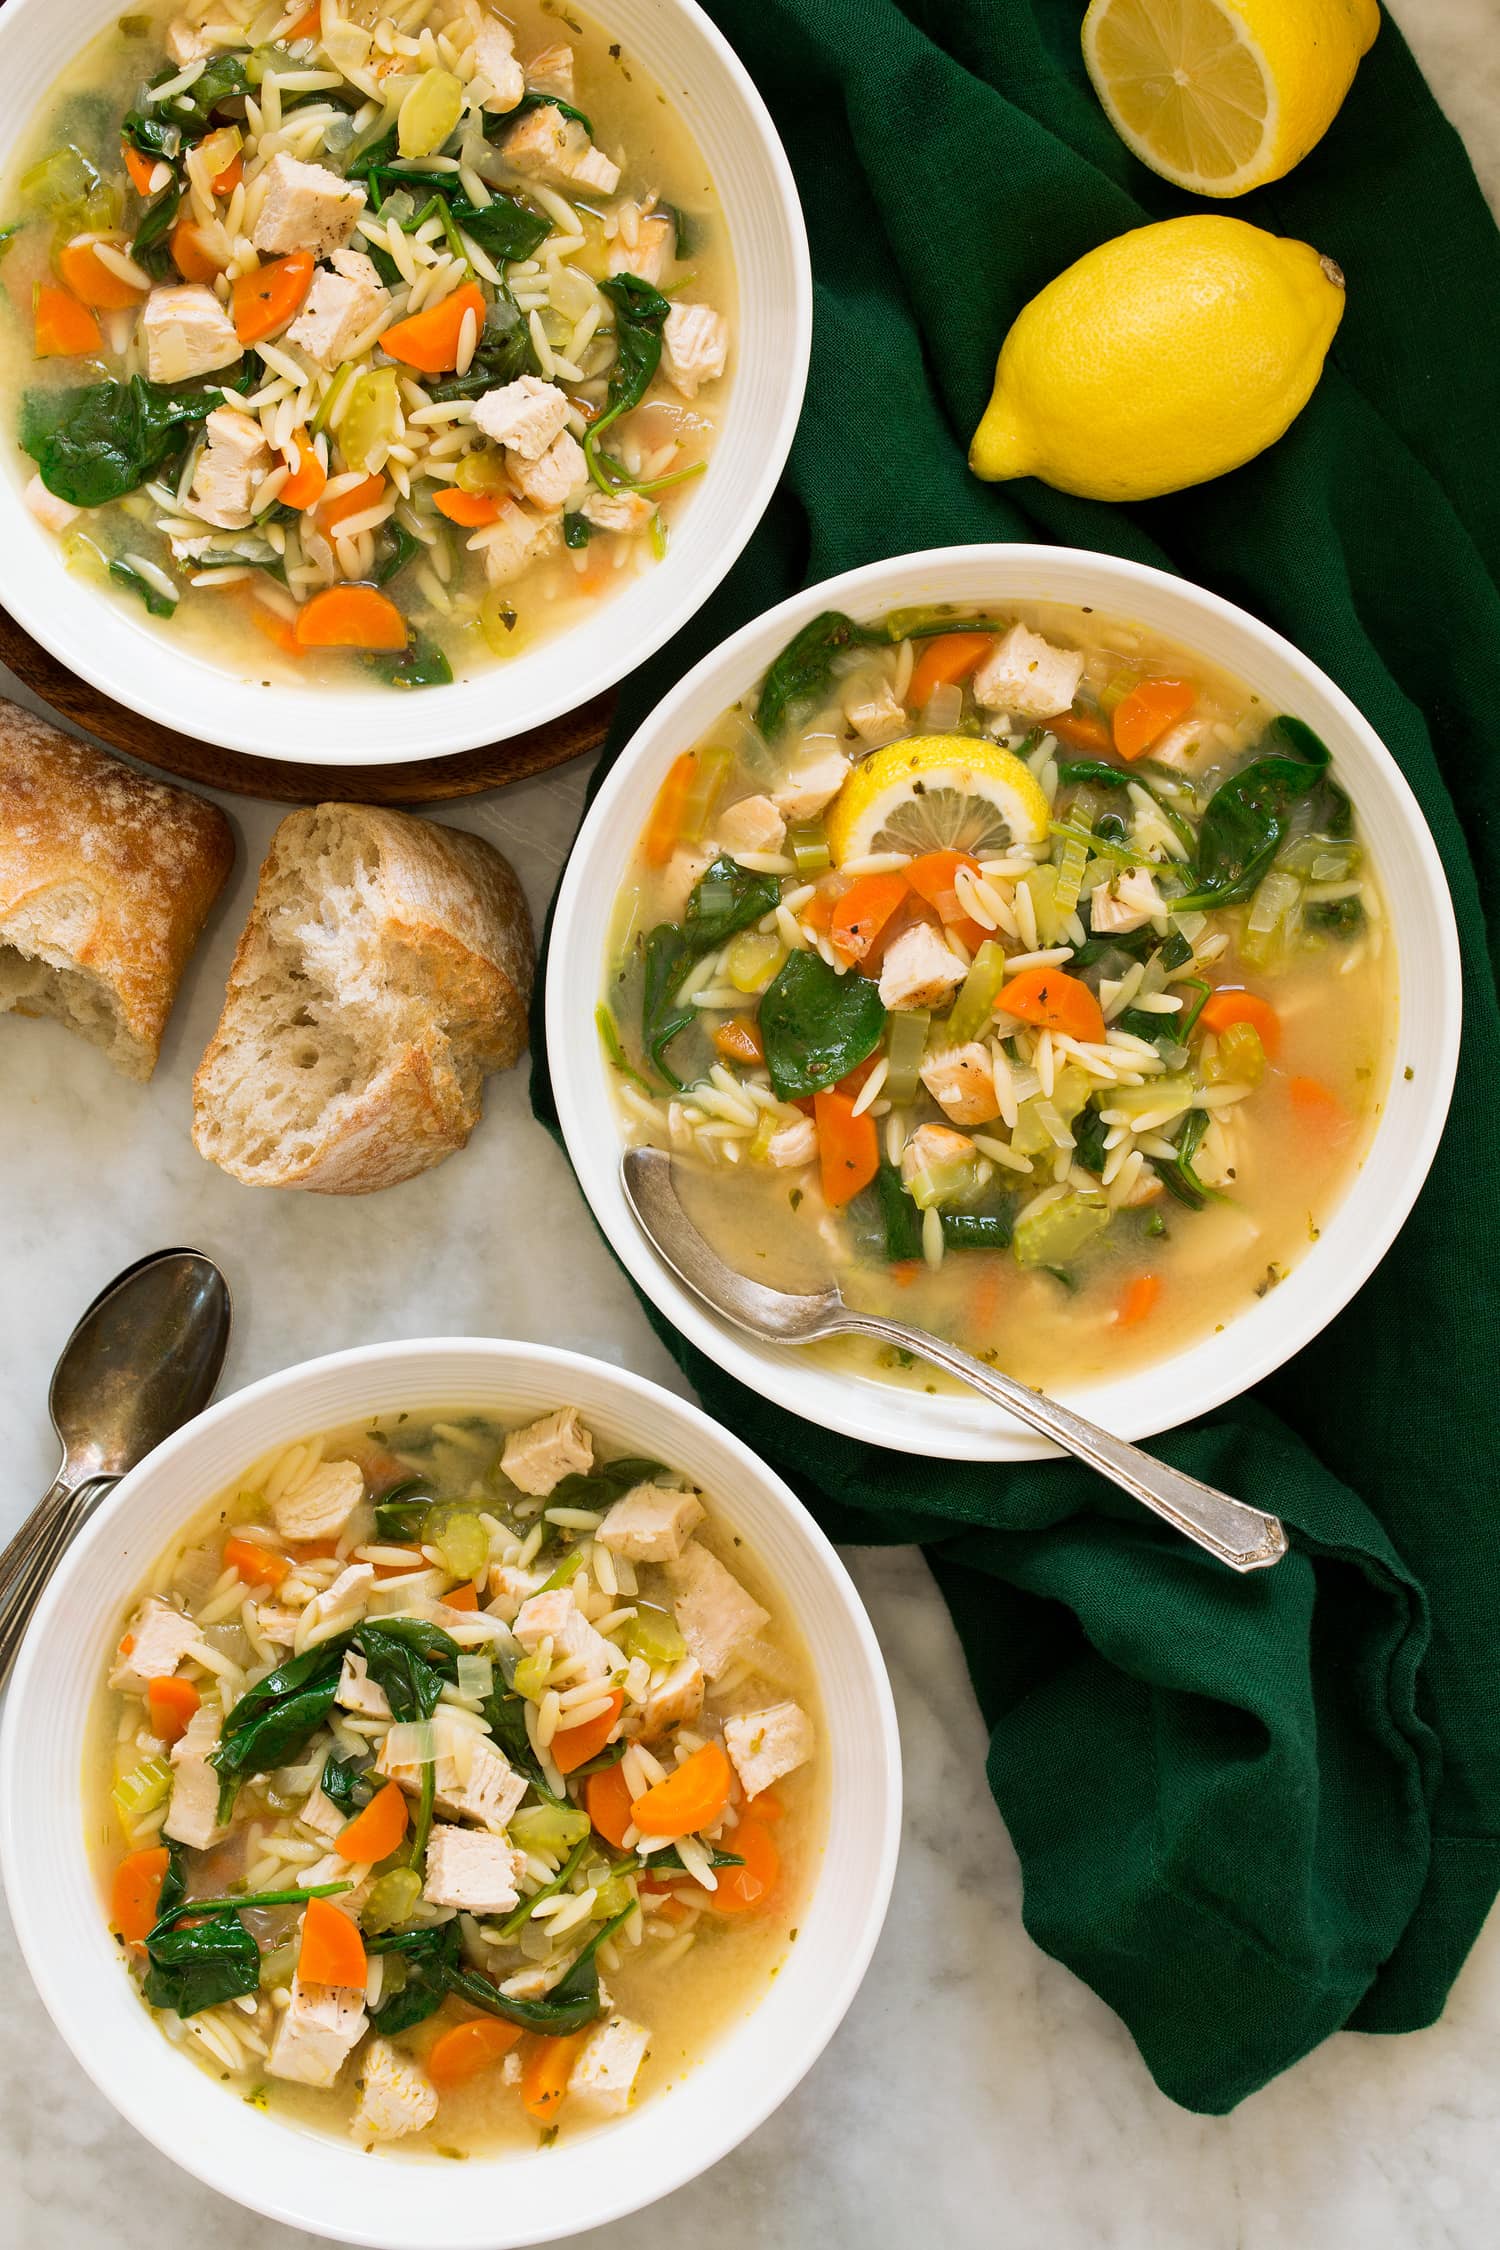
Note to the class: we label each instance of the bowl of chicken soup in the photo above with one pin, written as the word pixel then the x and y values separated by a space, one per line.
pixel 1015 937
pixel 483 1757
pixel 382 384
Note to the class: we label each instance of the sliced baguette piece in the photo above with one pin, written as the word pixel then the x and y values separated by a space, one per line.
pixel 385 968
pixel 106 879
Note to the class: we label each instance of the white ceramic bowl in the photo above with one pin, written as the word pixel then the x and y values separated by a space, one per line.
pixel 1355 1237
pixel 143 667
pixel 311 2180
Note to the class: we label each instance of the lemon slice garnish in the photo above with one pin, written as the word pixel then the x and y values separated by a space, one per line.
pixel 934 793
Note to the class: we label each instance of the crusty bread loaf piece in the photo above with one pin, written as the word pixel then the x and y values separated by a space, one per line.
pixel 106 879
pixel 385 967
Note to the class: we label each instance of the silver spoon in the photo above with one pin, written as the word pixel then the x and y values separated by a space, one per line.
pixel 1243 1537
pixel 143 1360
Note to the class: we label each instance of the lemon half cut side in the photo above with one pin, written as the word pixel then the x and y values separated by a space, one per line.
pixel 937 792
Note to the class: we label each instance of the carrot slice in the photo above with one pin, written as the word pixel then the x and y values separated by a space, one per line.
pixel 932 877
pixel 946 661
pixel 64 328
pixel 747 1889
pixel 140 168
pixel 460 2054
pixel 768 1806
pixel 465 1596
pixel 1231 1004
pixel 90 279
pixel 351 503
pixel 1080 730
pixel 304 487
pixel 332 1950
pixel 471 509
pixel 740 1041
pixel 374 1833
pixel 863 911
pixel 351 617
pixel 258 1566
pixel 1138 1299
pixel 1144 715
pixel 665 825
pixel 1319 1109
pixel 306 27
pixel 573 1747
pixel 277 629
pixel 545 2073
pixel 606 1800
pixel 234 171
pixel 267 300
pixel 190 253
pixel 171 1704
pixel 1053 1001
pixel 429 340
pixel 134 1892
pixel 848 1147
pixel 692 1797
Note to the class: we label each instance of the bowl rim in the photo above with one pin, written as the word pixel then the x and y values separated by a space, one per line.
pixel 107 2064
pixel 937 1426
pixel 133 667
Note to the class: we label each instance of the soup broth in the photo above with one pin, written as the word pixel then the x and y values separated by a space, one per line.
pixel 1025 976
pixel 537 1943
pixel 455 287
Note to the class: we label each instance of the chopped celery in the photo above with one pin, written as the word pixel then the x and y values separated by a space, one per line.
pixel 1240 1060
pixel 483 471
pixel 1071 863
pixel 531 1677
pixel 461 1540
pixel 611 1897
pixel 498 622
pixel 1270 909
pixel 476 1677
pixel 809 848
pixel 975 1004
pixel 566 1571
pixel 1052 1236
pixel 906 1042
pixel 335 395
pixel 1103 847
pixel 142 1790
pixel 1157 1093
pixel 753 961
pixel 1318 859
pixel 1042 883
pixel 652 1635
pixel 936 1184
pixel 393 1899
pixel 214 154
pixel 430 113
pixel 710 772
pixel 1111 697
pixel 61 183
pixel 279 1966
pixel 372 417
pixel 548 1828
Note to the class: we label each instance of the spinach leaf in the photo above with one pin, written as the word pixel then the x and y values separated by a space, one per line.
pixel 640 315
pixel 1341 917
pixel 726 898
pixel 152 247
pixel 157 603
pixel 533 98
pixel 401 1511
pixel 410 1659
pixel 519 1916
pixel 1177 1174
pixel 684 230
pixel 98 441
pixel 817 1026
pixel 978 1230
pixel 1246 821
pixel 571 2004
pixel 222 79
pixel 426 1956
pixel 346 1785
pixel 420 664
pixel 805 666
pixel 274 1720
pixel 577 530
pixel 605 1482
pixel 899 1216
pixel 503 227
pixel 668 960
pixel 670 1856
pixel 272 565
pixel 154 135
pixel 403 546
pixel 504 351
pixel 1089 1134
pixel 505 1716
pixel 196 1968
pixel 1093 771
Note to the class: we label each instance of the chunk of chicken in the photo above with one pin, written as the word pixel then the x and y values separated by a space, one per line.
pixel 676 1702
pixel 919 971
pixel 962 1083
pixel 338 1605
pixel 357 1692
pixel 472 1779
pixel 552 481
pixel 1027 676
pixel 230 467
pixel 514 540
pixel 510 1585
pixel 185 43
pixel 187 333
pixel 808 788
pixel 558 1615
pixel 395 2097
pixel 715 1615
pixel 346 295
pixel 524 416
pixel 322 1815
pixel 651 253
pixel 307 207
pixel 193 1814
pixel 538 1457
pixel 695 347
pixel 608 2065
pixel 876 716
pixel 765 1745
pixel 553 72
pixel 751 825
pixel 650 1523
pixel 472 1871
pixel 791 1146
pixel 556 150
pixel 317 2031
pixel 624 512
pixel 930 1145
pixel 50 512
pixel 495 61
pixel 320 1507
pixel 1127 903
pixel 155 1643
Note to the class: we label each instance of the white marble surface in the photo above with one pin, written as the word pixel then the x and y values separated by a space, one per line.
pixel 977 2094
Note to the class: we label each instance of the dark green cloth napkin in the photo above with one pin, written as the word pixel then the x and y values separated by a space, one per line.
pixel 1247 1812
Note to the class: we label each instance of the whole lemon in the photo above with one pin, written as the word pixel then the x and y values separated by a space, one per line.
pixel 1161 359
pixel 1223 95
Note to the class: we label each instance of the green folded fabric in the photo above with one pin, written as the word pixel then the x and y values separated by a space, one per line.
pixel 1248 1812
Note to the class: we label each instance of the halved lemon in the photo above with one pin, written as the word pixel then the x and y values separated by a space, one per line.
pixel 937 793
pixel 1223 95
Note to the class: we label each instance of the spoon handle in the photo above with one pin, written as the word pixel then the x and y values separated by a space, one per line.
pixel 34 1553
pixel 1244 1537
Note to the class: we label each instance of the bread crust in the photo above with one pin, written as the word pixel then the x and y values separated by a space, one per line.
pixel 104 872
pixel 452 934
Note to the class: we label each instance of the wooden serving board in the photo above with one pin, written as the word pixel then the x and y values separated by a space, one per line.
pixel 427 781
